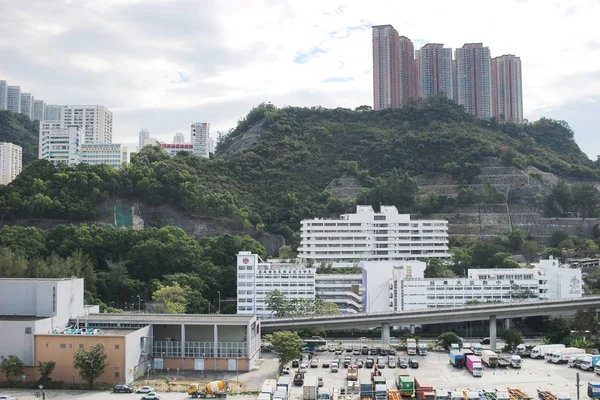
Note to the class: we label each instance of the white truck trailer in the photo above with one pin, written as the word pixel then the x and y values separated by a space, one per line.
pixel 561 356
pixel 543 349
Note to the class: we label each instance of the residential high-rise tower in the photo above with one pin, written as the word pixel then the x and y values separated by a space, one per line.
pixel 179 138
pixel 39 110
pixel 11 162
pixel 143 135
pixel 27 100
pixel 200 135
pixel 3 94
pixel 474 79
pixel 386 67
pixel 507 88
pixel 13 99
pixel 435 70
pixel 407 70
pixel 52 112
pixel 95 122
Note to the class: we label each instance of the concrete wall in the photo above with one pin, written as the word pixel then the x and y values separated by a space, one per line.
pixel 162 332
pixel 231 333
pixel 137 352
pixel 48 348
pixel 199 333
pixel 16 342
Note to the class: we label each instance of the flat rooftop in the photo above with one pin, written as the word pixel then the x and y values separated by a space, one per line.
pixel 37 279
pixel 173 318
pixel 102 332
pixel 21 318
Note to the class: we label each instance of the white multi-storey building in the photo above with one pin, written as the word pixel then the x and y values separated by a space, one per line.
pixel 390 287
pixel 96 122
pixel 11 162
pixel 143 135
pixel 3 94
pixel 27 100
pixel 52 112
pixel 256 279
pixel 368 235
pixel 200 135
pixel 60 145
pixel 179 138
pixel 113 154
pixel 39 110
pixel 174 148
pixel 13 99
pixel 344 290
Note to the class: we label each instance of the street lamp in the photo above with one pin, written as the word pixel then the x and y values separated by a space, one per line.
pixel 219 292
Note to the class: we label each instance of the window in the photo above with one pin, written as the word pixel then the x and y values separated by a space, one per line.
pixel 28 330
pixel 117 347
pixel 63 346
pixel 117 374
pixel 46 345
pixel 81 345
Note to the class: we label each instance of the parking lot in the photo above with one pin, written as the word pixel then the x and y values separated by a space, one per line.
pixel 435 367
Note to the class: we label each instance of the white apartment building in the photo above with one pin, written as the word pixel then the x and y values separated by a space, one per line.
pixel 11 162
pixel 96 122
pixel 113 154
pixel 39 110
pixel 3 94
pixel 200 136
pixel 344 290
pixel 27 100
pixel 367 235
pixel 179 138
pixel 60 145
pixel 52 112
pixel 256 279
pixel 13 99
pixel 143 135
pixel 396 288
pixel 174 148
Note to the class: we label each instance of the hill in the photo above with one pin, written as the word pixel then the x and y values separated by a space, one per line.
pixel 272 171
pixel 20 130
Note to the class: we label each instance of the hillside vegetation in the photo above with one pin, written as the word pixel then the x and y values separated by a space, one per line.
pixel 20 130
pixel 277 178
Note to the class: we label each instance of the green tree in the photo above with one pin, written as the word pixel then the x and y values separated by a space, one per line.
pixel 585 199
pixel 558 331
pixel 286 252
pixel 277 303
pixel 521 293
pixel 46 368
pixel 11 366
pixel 516 239
pixel 560 199
pixel 91 364
pixel 445 340
pixel 512 339
pixel 585 320
pixel 437 269
pixel 169 299
pixel 529 250
pixel 287 345
pixel 558 237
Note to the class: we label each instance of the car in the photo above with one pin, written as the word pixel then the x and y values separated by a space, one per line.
pixel 7 398
pixel 339 351
pixel 150 396
pixel 359 363
pixel 348 349
pixel 380 362
pixel 413 363
pixel 314 363
pixel 145 389
pixel 303 368
pixel 295 363
pixel 402 363
pixel 363 339
pixel 373 352
pixel 325 364
pixel 120 389
pixel 364 350
pixel 356 352
pixel 286 371
pixel 392 351
pixel 485 341
pixel 320 381
pixel 331 348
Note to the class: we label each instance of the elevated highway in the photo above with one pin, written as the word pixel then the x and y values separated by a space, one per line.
pixel 491 311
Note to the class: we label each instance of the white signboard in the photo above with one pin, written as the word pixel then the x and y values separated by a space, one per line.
pixel 158 363
pixel 199 364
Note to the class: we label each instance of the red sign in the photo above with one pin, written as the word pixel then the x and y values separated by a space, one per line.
pixel 245 260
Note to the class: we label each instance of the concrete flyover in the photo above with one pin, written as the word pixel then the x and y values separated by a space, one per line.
pixel 492 311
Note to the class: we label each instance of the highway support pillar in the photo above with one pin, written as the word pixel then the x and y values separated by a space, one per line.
pixel 385 334
pixel 507 324
pixel 493 332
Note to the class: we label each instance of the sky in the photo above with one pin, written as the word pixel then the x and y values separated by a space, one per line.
pixel 164 64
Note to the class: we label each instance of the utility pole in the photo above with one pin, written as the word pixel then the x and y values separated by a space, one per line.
pixel 577 375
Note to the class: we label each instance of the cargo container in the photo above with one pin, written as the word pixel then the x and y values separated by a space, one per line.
pixel 474 366
pixel 269 386
pixel 593 390
pixel 309 389
pixel 543 349
pixel 366 388
pixel 424 390
pixel 489 358
pixel 284 383
pixel 379 387
pixel 457 359
pixel 406 385
pixel 281 394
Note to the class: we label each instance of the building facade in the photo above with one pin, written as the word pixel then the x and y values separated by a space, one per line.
pixel 27 100
pixel 13 99
pixel 507 88
pixel 143 135
pixel 11 162
pixel 113 154
pixel 39 110
pixel 367 235
pixel 386 67
pixel 434 62
pixel 96 122
pixel 60 145
pixel 344 290
pixel 52 112
pixel 174 148
pixel 179 138
pixel 408 71
pixel 200 136
pixel 474 79
pixel 256 279
pixel 3 94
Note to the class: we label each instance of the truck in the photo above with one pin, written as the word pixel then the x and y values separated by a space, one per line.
pixel 522 350
pixel 405 384
pixel 546 395
pixel 281 395
pixel 540 351
pixel 424 390
pixel 411 347
pixel 393 394
pixel 561 356
pixel 269 386
pixel 597 368
pixel 298 379
pixel 495 395
pixel 366 389
pixel 379 387
pixel 214 389
pixel 352 374
pixel 593 390
pixel 309 389
pixel 517 394
pixel 516 361
pixel 467 352
pixel 422 349
pixel 284 383
pixel 474 365
pixel 589 361
pixel 323 394
pixel 457 359
pixel 454 347
pixel 489 358
pixel 477 349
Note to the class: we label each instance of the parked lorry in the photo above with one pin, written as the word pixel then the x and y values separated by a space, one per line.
pixel 517 394
pixel 516 361
pixel 597 368
pixel 522 350
pixel 215 389
pixel 495 395
pixel 454 347
pixel 457 359
pixel 366 388
pixel 264 396
pixel 589 361
pixel 405 384
pixel 489 358
pixel 411 347
pixel 281 394
pixel 298 379
pixel 474 365
pixel 422 349
pixel 543 349
pixel 352 374
pixel 477 349
pixel 593 390
pixel 379 387
pixel 561 356
pixel 269 386
pixel 284 383
pixel 309 390
pixel 424 390
pixel 323 394
pixel 546 395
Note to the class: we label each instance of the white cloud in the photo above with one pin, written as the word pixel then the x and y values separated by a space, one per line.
pixel 212 60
